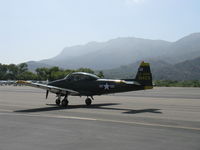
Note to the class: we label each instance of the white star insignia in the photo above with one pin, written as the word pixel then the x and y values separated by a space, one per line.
pixel 106 86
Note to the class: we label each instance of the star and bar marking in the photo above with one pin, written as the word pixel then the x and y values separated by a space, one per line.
pixel 106 86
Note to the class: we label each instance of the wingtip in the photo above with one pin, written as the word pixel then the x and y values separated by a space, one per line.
pixel 22 82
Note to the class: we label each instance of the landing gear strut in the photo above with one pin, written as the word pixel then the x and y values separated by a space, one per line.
pixel 88 101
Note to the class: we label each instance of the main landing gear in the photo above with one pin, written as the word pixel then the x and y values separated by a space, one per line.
pixel 57 101
pixel 63 103
pixel 88 101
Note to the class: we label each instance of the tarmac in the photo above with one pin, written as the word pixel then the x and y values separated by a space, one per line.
pixel 162 118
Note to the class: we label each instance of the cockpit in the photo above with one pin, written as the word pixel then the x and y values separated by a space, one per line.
pixel 81 76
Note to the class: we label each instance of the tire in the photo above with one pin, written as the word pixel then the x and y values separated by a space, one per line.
pixel 88 101
pixel 57 102
pixel 64 103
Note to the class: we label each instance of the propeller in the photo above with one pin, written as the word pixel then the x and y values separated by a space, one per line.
pixel 47 93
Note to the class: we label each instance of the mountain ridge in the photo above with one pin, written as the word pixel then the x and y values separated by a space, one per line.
pixel 186 70
pixel 124 51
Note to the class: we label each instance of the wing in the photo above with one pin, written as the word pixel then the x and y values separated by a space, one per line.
pixel 53 89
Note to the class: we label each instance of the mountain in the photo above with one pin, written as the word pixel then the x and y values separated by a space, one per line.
pixel 32 65
pixel 186 70
pixel 106 55
pixel 184 49
pixel 123 51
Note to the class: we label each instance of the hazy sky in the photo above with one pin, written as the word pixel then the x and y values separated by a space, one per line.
pixel 39 29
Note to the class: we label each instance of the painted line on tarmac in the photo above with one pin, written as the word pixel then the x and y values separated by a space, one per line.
pixel 6 110
pixel 123 122
pixel 9 112
pixel 28 106
pixel 16 105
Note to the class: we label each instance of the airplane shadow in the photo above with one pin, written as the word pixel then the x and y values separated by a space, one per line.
pixel 93 106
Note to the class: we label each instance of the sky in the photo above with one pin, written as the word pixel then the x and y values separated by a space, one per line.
pixel 40 29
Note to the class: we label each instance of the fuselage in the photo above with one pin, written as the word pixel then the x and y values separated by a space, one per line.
pixel 96 86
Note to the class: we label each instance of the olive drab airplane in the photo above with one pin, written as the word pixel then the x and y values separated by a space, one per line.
pixel 89 85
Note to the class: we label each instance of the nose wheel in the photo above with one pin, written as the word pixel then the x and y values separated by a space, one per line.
pixel 88 101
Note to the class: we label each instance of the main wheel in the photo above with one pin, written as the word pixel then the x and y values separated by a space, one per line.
pixel 57 101
pixel 88 101
pixel 64 103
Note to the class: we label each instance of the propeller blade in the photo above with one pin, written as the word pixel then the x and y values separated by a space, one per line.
pixel 47 93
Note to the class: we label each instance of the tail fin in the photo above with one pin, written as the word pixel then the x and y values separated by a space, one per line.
pixel 144 76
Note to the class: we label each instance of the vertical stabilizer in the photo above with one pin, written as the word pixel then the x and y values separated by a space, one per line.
pixel 144 76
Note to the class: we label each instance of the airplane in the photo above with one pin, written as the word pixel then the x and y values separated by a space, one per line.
pixel 89 85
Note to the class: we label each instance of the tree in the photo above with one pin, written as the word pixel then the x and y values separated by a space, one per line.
pixel 23 67
pixel 20 72
pixel 88 70
pixel 100 74
pixel 42 73
pixel 52 73
pixel 28 76
pixel 3 71
pixel 13 72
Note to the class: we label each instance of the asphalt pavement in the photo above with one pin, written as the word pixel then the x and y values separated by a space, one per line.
pixel 162 118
